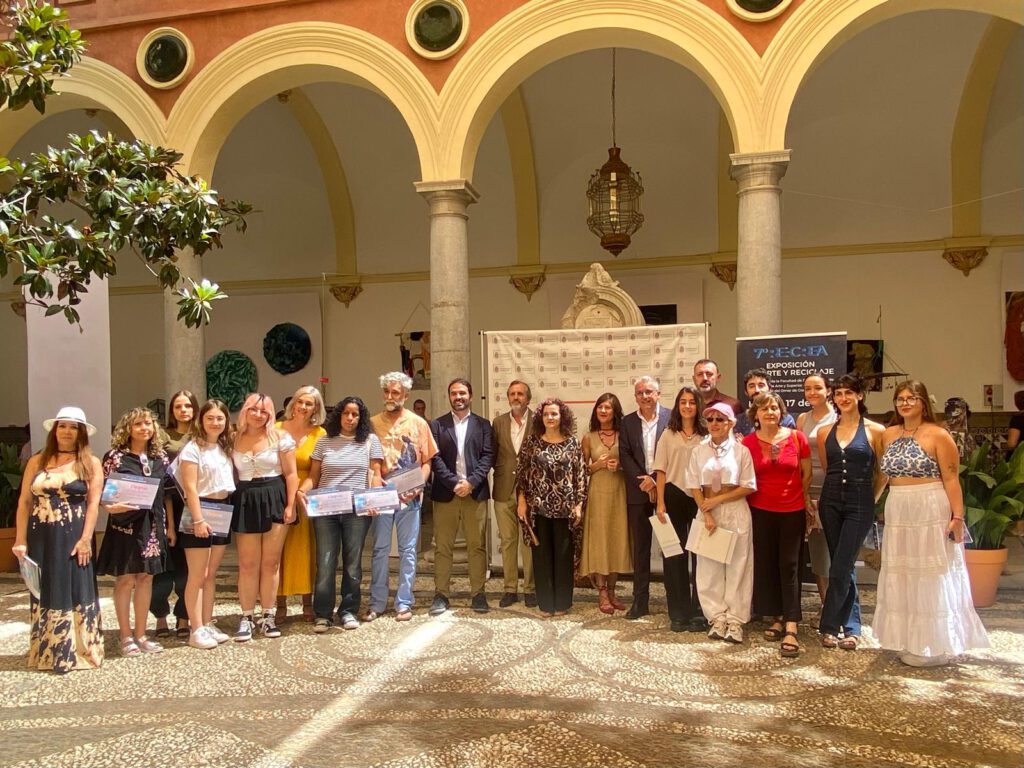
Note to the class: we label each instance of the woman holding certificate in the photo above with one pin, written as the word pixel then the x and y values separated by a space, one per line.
pixel 57 510
pixel 205 473
pixel 264 504
pixel 183 408
pixel 781 513
pixel 605 530
pixel 348 459
pixel 135 543
pixel 684 432
pixel 551 489
pixel 303 416
pixel 719 477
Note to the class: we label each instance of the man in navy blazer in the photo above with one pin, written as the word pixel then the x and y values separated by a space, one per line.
pixel 638 437
pixel 459 493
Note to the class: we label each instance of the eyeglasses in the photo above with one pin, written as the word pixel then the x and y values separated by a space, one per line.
pixel 716 419
pixel 909 400
pixel 646 392
pixel 146 469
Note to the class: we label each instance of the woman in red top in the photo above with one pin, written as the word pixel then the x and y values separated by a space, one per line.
pixel 778 509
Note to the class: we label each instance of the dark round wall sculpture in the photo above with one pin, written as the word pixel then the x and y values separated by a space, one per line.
pixel 166 58
pixel 287 348
pixel 230 376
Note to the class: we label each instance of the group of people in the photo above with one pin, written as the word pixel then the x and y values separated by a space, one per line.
pixel 570 509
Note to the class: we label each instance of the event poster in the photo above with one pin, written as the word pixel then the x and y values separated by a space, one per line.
pixel 789 359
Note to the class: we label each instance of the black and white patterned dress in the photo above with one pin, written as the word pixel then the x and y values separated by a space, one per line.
pixel 135 542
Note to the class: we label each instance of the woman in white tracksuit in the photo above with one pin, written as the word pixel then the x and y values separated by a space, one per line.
pixel 719 477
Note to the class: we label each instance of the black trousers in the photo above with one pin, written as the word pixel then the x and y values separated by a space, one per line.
pixel 777 540
pixel 680 571
pixel 174 576
pixel 552 563
pixel 640 532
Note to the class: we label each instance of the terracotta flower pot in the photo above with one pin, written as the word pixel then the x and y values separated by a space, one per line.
pixel 983 568
pixel 8 562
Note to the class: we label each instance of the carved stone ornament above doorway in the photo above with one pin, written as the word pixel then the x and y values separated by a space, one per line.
pixel 599 302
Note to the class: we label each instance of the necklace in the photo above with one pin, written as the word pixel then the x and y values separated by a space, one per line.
pixel 688 435
pixel 910 432
pixel 607 433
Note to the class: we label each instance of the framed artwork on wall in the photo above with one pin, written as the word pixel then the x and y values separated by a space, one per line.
pixel 415 349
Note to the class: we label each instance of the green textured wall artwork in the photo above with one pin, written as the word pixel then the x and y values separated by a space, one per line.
pixel 230 376
pixel 287 348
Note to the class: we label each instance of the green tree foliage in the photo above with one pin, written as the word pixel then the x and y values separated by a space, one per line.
pixel 128 195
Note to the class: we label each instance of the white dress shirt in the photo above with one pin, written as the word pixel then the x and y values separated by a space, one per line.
pixel 650 436
pixel 518 431
pixel 461 426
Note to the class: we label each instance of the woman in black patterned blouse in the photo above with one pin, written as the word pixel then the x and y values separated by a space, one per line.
pixel 551 490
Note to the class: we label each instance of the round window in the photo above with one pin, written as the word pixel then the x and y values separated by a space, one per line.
pixel 436 29
pixel 164 58
pixel 758 10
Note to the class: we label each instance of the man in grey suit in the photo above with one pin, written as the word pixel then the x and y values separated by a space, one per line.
pixel 638 437
pixel 510 430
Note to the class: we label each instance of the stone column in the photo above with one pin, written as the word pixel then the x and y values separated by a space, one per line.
pixel 449 284
pixel 759 245
pixel 184 348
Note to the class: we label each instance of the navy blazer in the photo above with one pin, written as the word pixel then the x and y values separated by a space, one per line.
pixel 632 454
pixel 479 452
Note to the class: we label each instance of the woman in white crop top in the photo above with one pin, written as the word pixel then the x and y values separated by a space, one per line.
pixel 264 458
pixel 720 477
pixel 205 472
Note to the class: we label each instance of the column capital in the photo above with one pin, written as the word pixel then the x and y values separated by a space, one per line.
pixel 452 196
pixel 758 169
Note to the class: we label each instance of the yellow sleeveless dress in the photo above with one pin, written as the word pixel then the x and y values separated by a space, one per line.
pixel 298 559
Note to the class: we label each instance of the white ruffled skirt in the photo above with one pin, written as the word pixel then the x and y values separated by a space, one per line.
pixel 924 602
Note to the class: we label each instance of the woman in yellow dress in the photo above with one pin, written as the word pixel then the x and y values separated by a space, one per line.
pixel 302 419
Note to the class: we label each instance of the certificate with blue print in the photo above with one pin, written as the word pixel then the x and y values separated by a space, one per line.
pixel 383 501
pixel 134 490
pixel 218 516
pixel 326 502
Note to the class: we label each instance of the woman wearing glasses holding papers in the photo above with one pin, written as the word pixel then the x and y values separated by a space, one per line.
pixel 349 458
pixel 135 544
pixel 781 513
pixel 719 477
pixel 924 608
pixel 205 473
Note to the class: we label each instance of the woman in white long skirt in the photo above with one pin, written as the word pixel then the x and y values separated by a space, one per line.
pixel 720 477
pixel 924 609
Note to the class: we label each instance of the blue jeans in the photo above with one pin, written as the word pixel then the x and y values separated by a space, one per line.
pixel 406 522
pixel 346 533
pixel 847 511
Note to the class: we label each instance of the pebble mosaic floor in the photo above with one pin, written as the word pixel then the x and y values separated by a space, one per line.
pixel 510 688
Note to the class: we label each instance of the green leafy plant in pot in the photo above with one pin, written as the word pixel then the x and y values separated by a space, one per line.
pixel 10 483
pixel 993 490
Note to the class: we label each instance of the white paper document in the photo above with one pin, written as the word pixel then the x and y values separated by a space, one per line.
pixel 406 481
pixel 383 500
pixel 667 537
pixel 718 546
pixel 31 573
pixel 218 516
pixel 326 502
pixel 134 490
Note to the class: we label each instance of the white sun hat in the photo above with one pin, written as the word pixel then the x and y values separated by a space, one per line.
pixel 70 413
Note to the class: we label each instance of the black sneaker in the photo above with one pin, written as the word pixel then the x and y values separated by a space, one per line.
pixel 679 626
pixel 479 604
pixel 530 599
pixel 509 598
pixel 268 626
pixel 439 606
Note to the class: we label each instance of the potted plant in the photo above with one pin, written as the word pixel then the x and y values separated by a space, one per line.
pixel 993 489
pixel 10 485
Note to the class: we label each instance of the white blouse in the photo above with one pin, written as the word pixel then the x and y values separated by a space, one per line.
pixel 265 463
pixel 215 474
pixel 730 461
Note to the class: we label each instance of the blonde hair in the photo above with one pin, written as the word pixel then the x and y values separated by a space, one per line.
pixel 121 438
pixel 268 405
pixel 319 413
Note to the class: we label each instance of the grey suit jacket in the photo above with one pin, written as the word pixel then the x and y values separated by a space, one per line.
pixel 505 456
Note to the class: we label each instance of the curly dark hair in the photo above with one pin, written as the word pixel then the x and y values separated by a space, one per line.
pixel 566 424
pixel 333 422
pixel 675 419
pixel 607 397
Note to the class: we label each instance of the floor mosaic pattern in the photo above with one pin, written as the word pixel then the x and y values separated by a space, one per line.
pixel 510 688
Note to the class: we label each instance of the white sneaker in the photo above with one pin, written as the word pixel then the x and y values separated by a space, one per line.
pixel 201 639
pixel 734 632
pixel 718 629
pixel 215 633
pixel 913 660
pixel 245 628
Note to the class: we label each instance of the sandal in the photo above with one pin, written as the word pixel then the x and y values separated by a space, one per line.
pixel 775 632
pixel 129 647
pixel 790 650
pixel 603 603
pixel 849 642
pixel 181 631
pixel 829 641
pixel 403 615
pixel 370 615
pixel 163 631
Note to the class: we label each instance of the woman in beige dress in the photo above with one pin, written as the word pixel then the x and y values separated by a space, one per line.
pixel 605 529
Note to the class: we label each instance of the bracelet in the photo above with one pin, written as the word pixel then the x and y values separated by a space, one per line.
pixel 957 518
pixel 197 522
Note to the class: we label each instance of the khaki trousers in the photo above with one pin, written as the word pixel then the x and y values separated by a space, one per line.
pixel 513 547
pixel 448 516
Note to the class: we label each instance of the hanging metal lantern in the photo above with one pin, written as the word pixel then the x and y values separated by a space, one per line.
pixel 613 196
